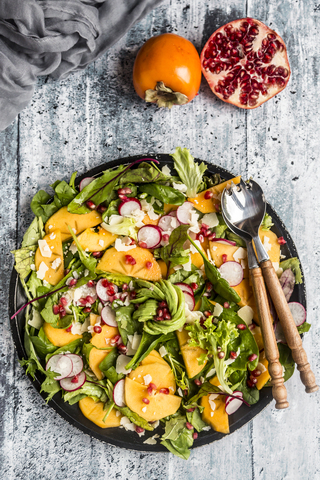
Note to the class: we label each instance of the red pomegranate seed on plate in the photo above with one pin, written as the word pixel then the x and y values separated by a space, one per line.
pixel 241 326
pixel 146 401
pixel 149 265
pixel 56 309
pixel 281 241
pixel 252 357
pixel 97 329
pixel 189 426
pixel 208 195
pixel 165 391
pixel 90 204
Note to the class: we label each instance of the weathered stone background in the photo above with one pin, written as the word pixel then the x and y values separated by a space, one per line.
pixel 95 116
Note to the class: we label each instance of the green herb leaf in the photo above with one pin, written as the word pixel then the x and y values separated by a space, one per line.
pixel 266 222
pixel 189 171
pixel 304 328
pixel 34 233
pixel 145 173
pixel 177 438
pixel 89 262
pixel 24 258
pixel 294 264
pixel 40 207
pixel 163 193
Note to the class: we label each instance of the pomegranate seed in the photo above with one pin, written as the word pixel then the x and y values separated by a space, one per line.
pixel 190 410
pixel 133 294
pixel 90 204
pixel 224 258
pixel 185 392
pixel 206 233
pixel 133 242
pixel 219 349
pixel 150 391
pixel 200 238
pixel 63 301
pixel 90 299
pixel 252 357
pixel 164 390
pixel 123 197
pixel 163 304
pixel 208 195
pixel 211 236
pixel 252 326
pixel 153 386
pixel 209 287
pixel 142 244
pixel 105 283
pixel 146 401
pixel 189 426
pixel 75 379
pixel 159 312
pixel 149 265
pixel 69 329
pixel 250 384
pixel 165 237
pixel 130 260
pixel 97 329
pixel 124 191
pixel 167 316
pixel 253 379
pixel 111 298
pixel 66 271
pixel 195 435
pixel 194 286
pixel 207 313
pixel 281 241
pixel 221 355
pixel 122 349
pixel 204 226
pixel 101 208
pixel 256 372
pixel 197 382
pixel 226 305
pixel 158 319
pixel 90 283
pixel 217 207
pixel 72 282
pixel 87 310
pixel 83 301
pixel 233 355
pixel 139 429
pixel 56 309
pixel 241 326
pixel 115 340
pixel 62 313
pixel 125 287
pixel 97 254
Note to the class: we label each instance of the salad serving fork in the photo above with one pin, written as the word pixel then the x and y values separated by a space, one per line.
pixel 243 209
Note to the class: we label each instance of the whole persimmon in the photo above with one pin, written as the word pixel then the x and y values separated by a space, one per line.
pixel 167 71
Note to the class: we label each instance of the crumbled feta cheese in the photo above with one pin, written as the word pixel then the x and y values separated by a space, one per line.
pixel 218 309
pixel 86 272
pixel 74 230
pixel 56 263
pixel 76 328
pixel 282 256
pixel 32 266
pixel 192 248
pixel 73 248
pixel 240 254
pixel 193 222
pixel 191 316
pixel 181 187
pixel 148 209
pixel 206 429
pixel 180 392
pixel 147 379
pixel 156 424
pixel 120 245
pixel 210 219
pixel 122 361
pixel 44 248
pixel 42 270
pixel 261 367
pixel 118 413
pixel 125 422
pixel 52 236
pixel 187 266
pixel 101 243
pixel 266 243
pixel 212 397
pixel 211 373
pixel 214 247
pixel 166 171
pixel 275 266
pixel 144 409
pixel 246 314
pixel 163 351
pixel 152 440
pixel 75 275
pixel 83 292
pixel 50 226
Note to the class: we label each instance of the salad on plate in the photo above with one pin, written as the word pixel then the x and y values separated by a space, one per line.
pixel 140 312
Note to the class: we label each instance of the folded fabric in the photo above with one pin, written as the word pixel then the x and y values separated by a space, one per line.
pixel 56 37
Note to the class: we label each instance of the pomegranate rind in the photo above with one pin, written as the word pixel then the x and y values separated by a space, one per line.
pixel 244 71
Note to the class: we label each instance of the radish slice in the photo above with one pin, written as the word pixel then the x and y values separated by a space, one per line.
pixel 77 363
pixel 189 299
pixel 287 282
pixel 85 182
pixel 118 393
pixel 172 214
pixel 128 206
pixel 74 383
pixel 232 272
pixel 150 236
pixel 298 312
pixel 108 316
pixel 62 365
pixel 224 241
pixel 183 212
pixel 233 404
pixel 168 223
pixel 184 287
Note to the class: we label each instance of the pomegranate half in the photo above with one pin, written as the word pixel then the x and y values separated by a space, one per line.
pixel 245 63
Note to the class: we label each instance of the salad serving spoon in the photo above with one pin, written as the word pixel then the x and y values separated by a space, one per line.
pixel 243 209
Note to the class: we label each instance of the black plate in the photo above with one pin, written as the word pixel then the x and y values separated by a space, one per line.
pixel 117 436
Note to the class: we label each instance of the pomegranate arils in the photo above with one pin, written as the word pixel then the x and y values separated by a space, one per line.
pixel 139 429
pixel 252 357
pixel 195 435
pixel 72 282
pixel 165 391
pixel 69 329
pixel 97 329
pixel 56 309
pixel 130 260
pixel 90 204
pixel 149 265
pixel 97 254
pixel 189 426
pixel 232 62
pixel 146 401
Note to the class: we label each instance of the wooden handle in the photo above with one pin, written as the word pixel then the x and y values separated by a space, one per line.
pixel 289 328
pixel 279 391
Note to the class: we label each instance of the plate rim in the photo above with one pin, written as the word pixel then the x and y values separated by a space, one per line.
pixel 132 441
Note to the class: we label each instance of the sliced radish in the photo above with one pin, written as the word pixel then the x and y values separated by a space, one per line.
pixel 298 312
pixel 287 282
pixel 62 365
pixel 118 393
pixel 77 363
pixel 224 241
pixel 184 287
pixel 233 404
pixel 184 212
pixel 74 383
pixel 149 236
pixel 85 182
pixel 189 299
pixel 173 213
pixel 232 272
pixel 236 393
pixel 108 316
pixel 168 223
pixel 128 206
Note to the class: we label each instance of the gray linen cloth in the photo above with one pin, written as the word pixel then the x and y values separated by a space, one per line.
pixel 56 37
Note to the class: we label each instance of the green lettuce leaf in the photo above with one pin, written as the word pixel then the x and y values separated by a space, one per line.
pixel 177 438
pixel 24 258
pixel 294 264
pixel 163 193
pixel 189 171
pixel 34 233
pixel 266 222
pixel 145 173
pixel 127 228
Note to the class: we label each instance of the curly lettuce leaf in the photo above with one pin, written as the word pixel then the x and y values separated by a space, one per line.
pixel 190 172
pixel 294 264
pixel 127 228
pixel 266 222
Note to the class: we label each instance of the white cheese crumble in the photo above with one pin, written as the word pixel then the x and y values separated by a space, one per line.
pixel 152 440
pixel 42 270
pixel 144 409
pixel 83 292
pixel 181 187
pixel 56 263
pixel 148 209
pixel 240 254
pixel 125 422
pixel 32 266
pixel 121 245
pixel 122 361
pixel 166 171
pixel 44 248
pixel 210 219
pixel 191 316
pixel 187 266
pixel 266 243
pixel 212 397
pixel 147 379
pixel 246 314
pixel 218 309
pixel 52 236
pixel 211 372
pixel 180 392
pixel 163 351
pixel 73 248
